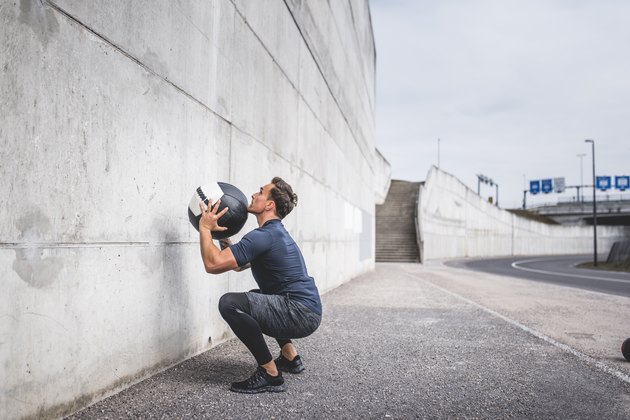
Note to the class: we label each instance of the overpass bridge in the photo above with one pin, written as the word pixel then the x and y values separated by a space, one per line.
pixel 612 212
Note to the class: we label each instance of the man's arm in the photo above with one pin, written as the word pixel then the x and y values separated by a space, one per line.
pixel 215 260
pixel 225 243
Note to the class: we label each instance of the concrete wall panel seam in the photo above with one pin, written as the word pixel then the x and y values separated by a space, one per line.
pixel 317 63
pixel 358 44
pixel 130 56
pixel 289 80
pixel 312 176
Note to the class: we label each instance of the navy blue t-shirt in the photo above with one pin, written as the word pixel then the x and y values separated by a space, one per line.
pixel 277 264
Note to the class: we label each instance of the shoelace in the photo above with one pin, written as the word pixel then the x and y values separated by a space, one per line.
pixel 256 377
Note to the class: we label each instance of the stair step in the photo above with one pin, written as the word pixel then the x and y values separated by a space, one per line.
pixel 395 224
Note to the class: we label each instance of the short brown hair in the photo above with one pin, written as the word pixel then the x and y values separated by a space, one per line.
pixel 282 194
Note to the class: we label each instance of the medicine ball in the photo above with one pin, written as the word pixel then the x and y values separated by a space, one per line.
pixel 231 197
pixel 625 349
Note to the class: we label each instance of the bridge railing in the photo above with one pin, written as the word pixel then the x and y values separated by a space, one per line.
pixel 622 198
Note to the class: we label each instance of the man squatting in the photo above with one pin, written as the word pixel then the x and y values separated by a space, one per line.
pixel 287 304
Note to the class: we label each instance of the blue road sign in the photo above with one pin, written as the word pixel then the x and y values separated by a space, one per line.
pixel 622 182
pixel 546 185
pixel 534 187
pixel 602 183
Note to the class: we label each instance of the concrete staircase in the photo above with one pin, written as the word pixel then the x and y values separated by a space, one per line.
pixel 396 225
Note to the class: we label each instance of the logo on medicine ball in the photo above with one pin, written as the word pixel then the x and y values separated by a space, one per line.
pixel 231 197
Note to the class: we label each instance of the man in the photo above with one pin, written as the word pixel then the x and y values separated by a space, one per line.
pixel 286 306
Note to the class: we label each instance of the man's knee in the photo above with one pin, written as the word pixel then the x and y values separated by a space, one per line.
pixel 231 303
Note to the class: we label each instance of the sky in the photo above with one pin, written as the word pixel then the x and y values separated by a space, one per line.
pixel 511 88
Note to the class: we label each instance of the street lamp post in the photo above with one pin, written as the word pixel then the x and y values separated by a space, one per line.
pixel 524 193
pixel 594 205
pixel 581 156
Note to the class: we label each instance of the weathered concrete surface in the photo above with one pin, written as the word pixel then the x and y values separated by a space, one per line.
pixel 455 222
pixel 382 177
pixel 111 114
pixel 412 341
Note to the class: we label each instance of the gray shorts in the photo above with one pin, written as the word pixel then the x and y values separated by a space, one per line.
pixel 282 317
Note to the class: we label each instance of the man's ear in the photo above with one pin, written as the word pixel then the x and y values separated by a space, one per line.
pixel 271 205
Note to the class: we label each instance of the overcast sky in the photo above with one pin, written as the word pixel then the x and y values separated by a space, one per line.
pixel 510 87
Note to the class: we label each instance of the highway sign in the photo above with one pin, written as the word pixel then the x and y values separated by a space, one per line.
pixel 546 185
pixel 602 183
pixel 558 185
pixel 534 187
pixel 622 182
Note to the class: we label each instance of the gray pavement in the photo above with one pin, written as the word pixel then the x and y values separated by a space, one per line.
pixel 395 343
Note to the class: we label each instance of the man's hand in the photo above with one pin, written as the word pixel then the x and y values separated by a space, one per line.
pixel 210 219
pixel 215 260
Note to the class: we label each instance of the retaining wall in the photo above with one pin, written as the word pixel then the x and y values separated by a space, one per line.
pixel 112 113
pixel 382 177
pixel 456 222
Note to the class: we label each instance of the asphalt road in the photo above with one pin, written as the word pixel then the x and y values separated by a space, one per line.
pixel 560 270
pixel 414 341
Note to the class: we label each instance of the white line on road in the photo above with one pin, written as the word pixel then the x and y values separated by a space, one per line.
pixel 516 266
pixel 581 356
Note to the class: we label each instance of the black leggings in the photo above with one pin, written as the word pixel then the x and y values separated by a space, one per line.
pixel 236 311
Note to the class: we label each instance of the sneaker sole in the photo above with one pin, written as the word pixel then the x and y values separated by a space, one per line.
pixel 276 388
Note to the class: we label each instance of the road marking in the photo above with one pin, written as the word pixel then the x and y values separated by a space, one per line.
pixel 516 266
pixel 581 356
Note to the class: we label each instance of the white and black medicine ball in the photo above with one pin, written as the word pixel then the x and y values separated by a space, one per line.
pixel 233 198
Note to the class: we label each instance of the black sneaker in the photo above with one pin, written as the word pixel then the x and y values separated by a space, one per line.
pixel 291 366
pixel 260 381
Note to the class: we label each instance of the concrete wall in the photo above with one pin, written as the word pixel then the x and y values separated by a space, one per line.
pixel 382 177
pixel 455 222
pixel 111 114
